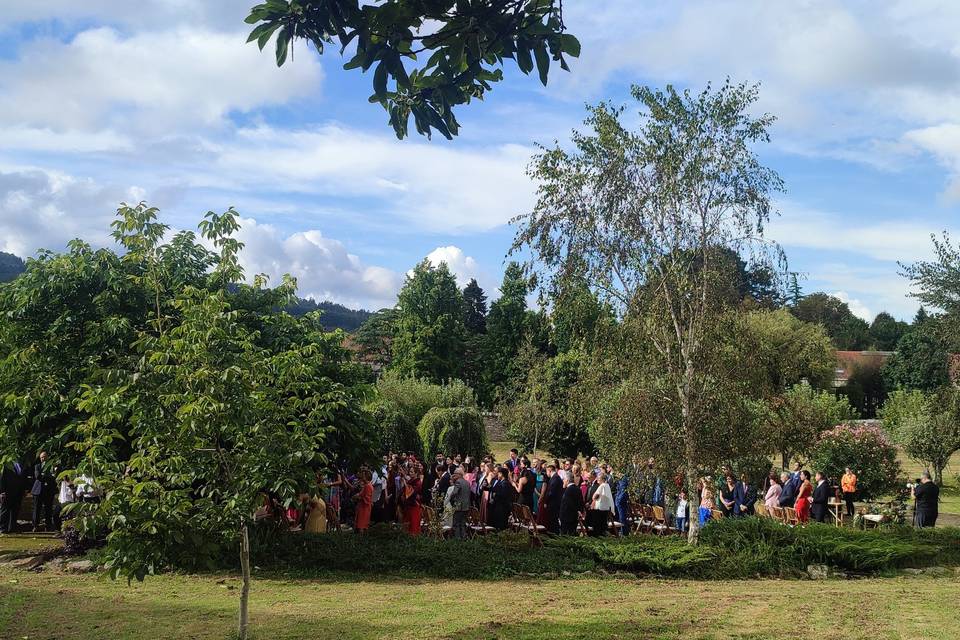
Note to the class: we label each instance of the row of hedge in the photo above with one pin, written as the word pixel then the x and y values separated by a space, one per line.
pixel 735 548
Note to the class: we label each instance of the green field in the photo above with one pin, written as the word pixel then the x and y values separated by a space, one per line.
pixel 54 606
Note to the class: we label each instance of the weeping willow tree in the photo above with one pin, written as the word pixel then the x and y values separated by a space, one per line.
pixel 647 217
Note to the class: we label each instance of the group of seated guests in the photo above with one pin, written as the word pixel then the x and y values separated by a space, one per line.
pixel 810 497
pixel 564 497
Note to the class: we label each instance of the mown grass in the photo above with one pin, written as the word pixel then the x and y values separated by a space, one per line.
pixel 50 606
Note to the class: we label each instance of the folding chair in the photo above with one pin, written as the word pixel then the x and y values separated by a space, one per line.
pixel 660 526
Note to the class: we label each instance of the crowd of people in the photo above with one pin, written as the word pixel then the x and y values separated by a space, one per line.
pixel 563 497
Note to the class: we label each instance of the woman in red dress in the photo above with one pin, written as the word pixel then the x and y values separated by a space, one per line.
pixel 410 498
pixel 364 500
pixel 803 497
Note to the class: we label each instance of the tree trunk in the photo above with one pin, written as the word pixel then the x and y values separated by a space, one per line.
pixel 938 474
pixel 693 496
pixel 245 590
pixel 785 459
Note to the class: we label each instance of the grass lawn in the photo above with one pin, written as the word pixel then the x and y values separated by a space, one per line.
pixel 55 606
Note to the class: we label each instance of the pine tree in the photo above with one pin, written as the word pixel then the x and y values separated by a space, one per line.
pixel 474 308
pixel 506 326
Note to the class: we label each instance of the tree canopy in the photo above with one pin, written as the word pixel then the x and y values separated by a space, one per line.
pixel 428 57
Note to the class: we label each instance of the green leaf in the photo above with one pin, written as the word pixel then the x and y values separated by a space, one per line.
pixel 283 41
pixel 524 60
pixel 570 45
pixel 543 62
pixel 380 80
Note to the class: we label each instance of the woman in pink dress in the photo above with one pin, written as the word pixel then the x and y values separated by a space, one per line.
pixel 772 498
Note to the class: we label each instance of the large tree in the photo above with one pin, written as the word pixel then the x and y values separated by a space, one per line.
pixel 428 334
pixel 439 54
pixel 848 332
pixel 886 331
pixel 921 361
pixel 506 331
pixel 640 215
pixel 180 391
pixel 474 308
pixel 796 418
pixel 926 425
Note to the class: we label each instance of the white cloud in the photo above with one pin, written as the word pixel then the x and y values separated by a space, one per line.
pixel 153 82
pixel 44 210
pixel 429 185
pixel 464 267
pixel 889 240
pixel 323 267
pixel 856 306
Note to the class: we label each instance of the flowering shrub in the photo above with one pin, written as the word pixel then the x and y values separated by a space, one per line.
pixel 866 450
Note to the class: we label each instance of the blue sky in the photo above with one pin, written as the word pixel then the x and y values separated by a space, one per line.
pixel 104 101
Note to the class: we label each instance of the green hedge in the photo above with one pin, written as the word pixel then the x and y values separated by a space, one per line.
pixel 394 429
pixel 729 549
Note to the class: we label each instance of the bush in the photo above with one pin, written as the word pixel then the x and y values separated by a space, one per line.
pixel 867 450
pixel 414 397
pixel 386 551
pixel 785 550
pixel 455 430
pixel 395 431
pixel 729 549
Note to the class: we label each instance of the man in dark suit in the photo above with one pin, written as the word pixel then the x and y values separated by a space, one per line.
pixel 821 495
pixel 552 499
pixel 501 499
pixel 788 494
pixel 44 487
pixel 13 484
pixel 571 505
pixel 745 496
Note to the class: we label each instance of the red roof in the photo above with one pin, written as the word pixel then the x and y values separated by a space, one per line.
pixel 849 361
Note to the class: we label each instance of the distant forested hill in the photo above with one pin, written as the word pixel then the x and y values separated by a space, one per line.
pixel 10 266
pixel 335 316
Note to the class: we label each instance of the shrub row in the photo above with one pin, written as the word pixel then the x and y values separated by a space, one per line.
pixel 729 549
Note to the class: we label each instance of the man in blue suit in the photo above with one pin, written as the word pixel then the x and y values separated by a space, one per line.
pixel 13 483
pixel 744 496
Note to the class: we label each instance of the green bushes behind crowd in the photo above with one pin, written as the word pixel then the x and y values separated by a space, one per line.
pixel 729 549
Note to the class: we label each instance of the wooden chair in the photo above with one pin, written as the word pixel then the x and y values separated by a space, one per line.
pixel 474 524
pixel 716 514
pixel 777 514
pixel 516 516
pixel 660 526
pixel 790 516
pixel 528 523
pixel 333 520
pixel 616 526
pixel 761 510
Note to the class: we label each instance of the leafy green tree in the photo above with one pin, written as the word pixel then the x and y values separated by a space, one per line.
pixel 474 308
pixel 866 388
pixel 375 336
pixel 797 417
pixel 428 337
pixel 784 351
pixel 640 215
pixel 576 315
pixel 543 415
pixel 886 331
pixel 848 332
pixel 506 329
pixel 72 318
pixel 209 401
pixel 439 54
pixel 866 450
pixel 927 425
pixel 921 361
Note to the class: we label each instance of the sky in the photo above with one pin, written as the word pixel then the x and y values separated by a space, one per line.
pixel 105 101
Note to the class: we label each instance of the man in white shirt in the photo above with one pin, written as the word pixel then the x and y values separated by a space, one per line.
pixel 598 516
